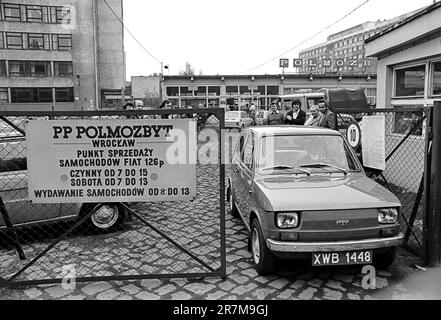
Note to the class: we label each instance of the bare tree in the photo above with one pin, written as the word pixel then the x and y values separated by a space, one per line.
pixel 189 70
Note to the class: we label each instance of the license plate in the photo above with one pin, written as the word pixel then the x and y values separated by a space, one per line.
pixel 342 258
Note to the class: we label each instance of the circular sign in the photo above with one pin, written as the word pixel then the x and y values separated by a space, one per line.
pixel 353 134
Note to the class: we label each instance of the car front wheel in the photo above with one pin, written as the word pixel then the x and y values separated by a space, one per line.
pixel 106 218
pixel 263 259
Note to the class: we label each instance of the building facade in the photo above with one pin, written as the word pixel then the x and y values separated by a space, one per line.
pixel 344 52
pixel 408 75
pixel 60 55
pixel 234 90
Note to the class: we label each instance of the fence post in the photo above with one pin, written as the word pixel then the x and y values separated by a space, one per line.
pixel 434 223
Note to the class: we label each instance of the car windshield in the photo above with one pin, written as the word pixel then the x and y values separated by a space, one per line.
pixel 232 114
pixel 315 153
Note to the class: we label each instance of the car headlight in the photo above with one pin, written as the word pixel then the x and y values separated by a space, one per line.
pixel 287 220
pixel 387 216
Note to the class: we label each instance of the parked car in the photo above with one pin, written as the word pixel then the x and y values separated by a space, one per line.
pixel 302 193
pixel 262 117
pixel 23 213
pixel 237 120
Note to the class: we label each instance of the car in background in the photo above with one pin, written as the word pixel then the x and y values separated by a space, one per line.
pixel 302 193
pixel 262 117
pixel 237 120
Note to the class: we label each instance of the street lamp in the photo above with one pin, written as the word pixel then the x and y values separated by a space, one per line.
pixel 161 79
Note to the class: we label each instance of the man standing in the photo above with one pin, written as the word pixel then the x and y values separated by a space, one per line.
pixel 329 119
pixel 275 118
pixel 296 117
pixel 315 118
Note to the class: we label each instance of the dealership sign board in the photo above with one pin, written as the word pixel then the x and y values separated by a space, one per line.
pixel 337 63
pixel 111 160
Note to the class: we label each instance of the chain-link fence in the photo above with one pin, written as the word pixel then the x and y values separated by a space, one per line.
pixel 110 241
pixel 405 152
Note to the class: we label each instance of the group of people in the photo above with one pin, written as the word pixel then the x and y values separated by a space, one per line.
pixel 321 116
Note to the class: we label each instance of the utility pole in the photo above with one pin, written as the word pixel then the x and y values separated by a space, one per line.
pixel 434 214
pixel 161 80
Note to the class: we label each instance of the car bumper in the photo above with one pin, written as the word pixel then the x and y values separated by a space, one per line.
pixel 287 247
pixel 232 125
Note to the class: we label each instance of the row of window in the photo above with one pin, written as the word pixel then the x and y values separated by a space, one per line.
pixel 216 91
pixel 35 13
pixel 35 41
pixel 411 81
pixel 35 68
pixel 339 44
pixel 37 95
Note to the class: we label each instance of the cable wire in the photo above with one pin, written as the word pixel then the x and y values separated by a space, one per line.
pixel 310 38
pixel 127 29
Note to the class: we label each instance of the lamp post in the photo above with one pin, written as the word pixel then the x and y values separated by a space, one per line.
pixel 161 80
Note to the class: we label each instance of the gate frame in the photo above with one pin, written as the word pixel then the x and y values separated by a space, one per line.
pixel 221 272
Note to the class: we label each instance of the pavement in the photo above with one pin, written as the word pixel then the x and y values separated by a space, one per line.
pixel 292 281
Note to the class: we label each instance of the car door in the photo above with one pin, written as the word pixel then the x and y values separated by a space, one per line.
pixel 246 176
pixel 14 192
pixel 236 172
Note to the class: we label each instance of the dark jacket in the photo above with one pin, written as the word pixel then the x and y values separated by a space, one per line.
pixel 329 120
pixel 300 121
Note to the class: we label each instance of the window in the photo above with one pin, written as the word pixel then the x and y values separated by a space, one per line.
pixel 2 43
pixel 34 14
pixel 64 94
pixel 273 90
pixel 63 15
pixel 244 90
pixel 408 121
pixel 4 95
pixel 202 91
pixel 232 90
pixel 29 69
pixel 214 91
pixel 63 69
pixel 31 95
pixel 172 91
pixel 12 12
pixel 36 41
pixel 3 68
pixel 436 80
pixel 248 152
pixel 409 82
pixel 62 42
pixel 14 40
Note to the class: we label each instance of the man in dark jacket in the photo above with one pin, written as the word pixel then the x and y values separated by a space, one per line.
pixel 296 117
pixel 329 119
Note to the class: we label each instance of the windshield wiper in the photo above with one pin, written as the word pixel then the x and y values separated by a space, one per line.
pixel 283 167
pixel 324 165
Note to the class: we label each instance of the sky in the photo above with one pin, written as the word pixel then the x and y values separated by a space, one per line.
pixel 235 36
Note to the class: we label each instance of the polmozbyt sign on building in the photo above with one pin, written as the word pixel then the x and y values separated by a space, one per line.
pixel 111 160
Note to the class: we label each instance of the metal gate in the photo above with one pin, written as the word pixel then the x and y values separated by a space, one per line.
pixel 43 244
pixel 406 163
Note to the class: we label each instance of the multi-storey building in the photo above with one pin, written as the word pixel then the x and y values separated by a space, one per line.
pixel 61 54
pixel 345 51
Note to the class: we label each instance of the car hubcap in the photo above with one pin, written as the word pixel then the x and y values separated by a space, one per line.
pixel 105 217
pixel 255 246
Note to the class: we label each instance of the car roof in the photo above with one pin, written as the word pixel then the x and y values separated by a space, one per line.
pixel 292 130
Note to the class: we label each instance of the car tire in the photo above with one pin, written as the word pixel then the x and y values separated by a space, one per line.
pixel 232 209
pixel 107 218
pixel 384 260
pixel 263 260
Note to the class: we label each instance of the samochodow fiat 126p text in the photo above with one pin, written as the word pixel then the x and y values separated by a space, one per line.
pixel 302 193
